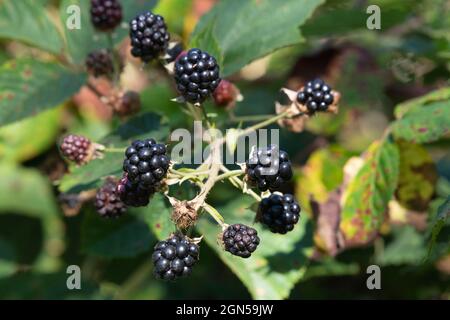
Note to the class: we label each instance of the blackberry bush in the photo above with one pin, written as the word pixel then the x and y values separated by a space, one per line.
pixel 240 240
pixel 108 202
pixel 106 15
pixel 279 212
pixel 268 168
pixel 175 257
pixel 100 63
pixel 316 95
pixel 149 36
pixel 196 75
pixel 146 163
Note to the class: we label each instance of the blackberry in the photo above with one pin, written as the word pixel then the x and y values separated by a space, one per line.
pixel 146 163
pixel 174 258
pixel 240 240
pixel 226 94
pixel 279 212
pixel 133 195
pixel 77 149
pixel 149 36
pixel 106 15
pixel 268 168
pixel 107 201
pixel 100 63
pixel 196 75
pixel 316 96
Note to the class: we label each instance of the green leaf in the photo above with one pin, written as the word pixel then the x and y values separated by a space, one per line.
pixel 27 192
pixel 280 260
pixel 125 237
pixel 247 30
pixel 424 124
pixel 434 96
pixel 23 140
pixel 27 21
pixel 439 222
pixel 90 175
pixel 368 193
pixel 407 247
pixel 157 216
pixel 418 176
pixel 28 87
pixel 175 12
pixel 82 41
pixel 321 174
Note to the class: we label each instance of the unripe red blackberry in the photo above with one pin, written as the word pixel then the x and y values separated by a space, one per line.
pixel 77 149
pixel 106 15
pixel 107 201
pixel 268 168
pixel 240 240
pixel 133 195
pixel 129 104
pixel 174 258
pixel 226 94
pixel 196 75
pixel 149 36
pixel 316 96
pixel 279 212
pixel 100 63
pixel 146 163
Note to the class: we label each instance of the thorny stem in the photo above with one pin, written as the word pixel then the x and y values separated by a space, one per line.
pixel 252 118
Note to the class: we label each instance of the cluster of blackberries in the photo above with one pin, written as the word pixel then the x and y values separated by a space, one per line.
pixel 106 15
pixel 145 165
pixel 316 95
pixel 149 36
pixel 76 148
pixel 240 240
pixel 107 201
pixel 196 75
pixel 134 195
pixel 174 258
pixel 268 168
pixel 279 212
pixel 100 63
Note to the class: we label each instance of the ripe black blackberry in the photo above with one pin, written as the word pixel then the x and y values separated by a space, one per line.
pixel 108 202
pixel 316 96
pixel 149 36
pixel 106 15
pixel 268 168
pixel 100 63
pixel 133 195
pixel 196 75
pixel 146 163
pixel 240 240
pixel 77 149
pixel 174 258
pixel 279 212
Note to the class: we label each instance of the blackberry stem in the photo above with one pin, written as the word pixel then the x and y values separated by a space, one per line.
pixel 114 150
pixel 229 174
pixel 214 213
pixel 241 184
pixel 116 58
pixel 251 118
